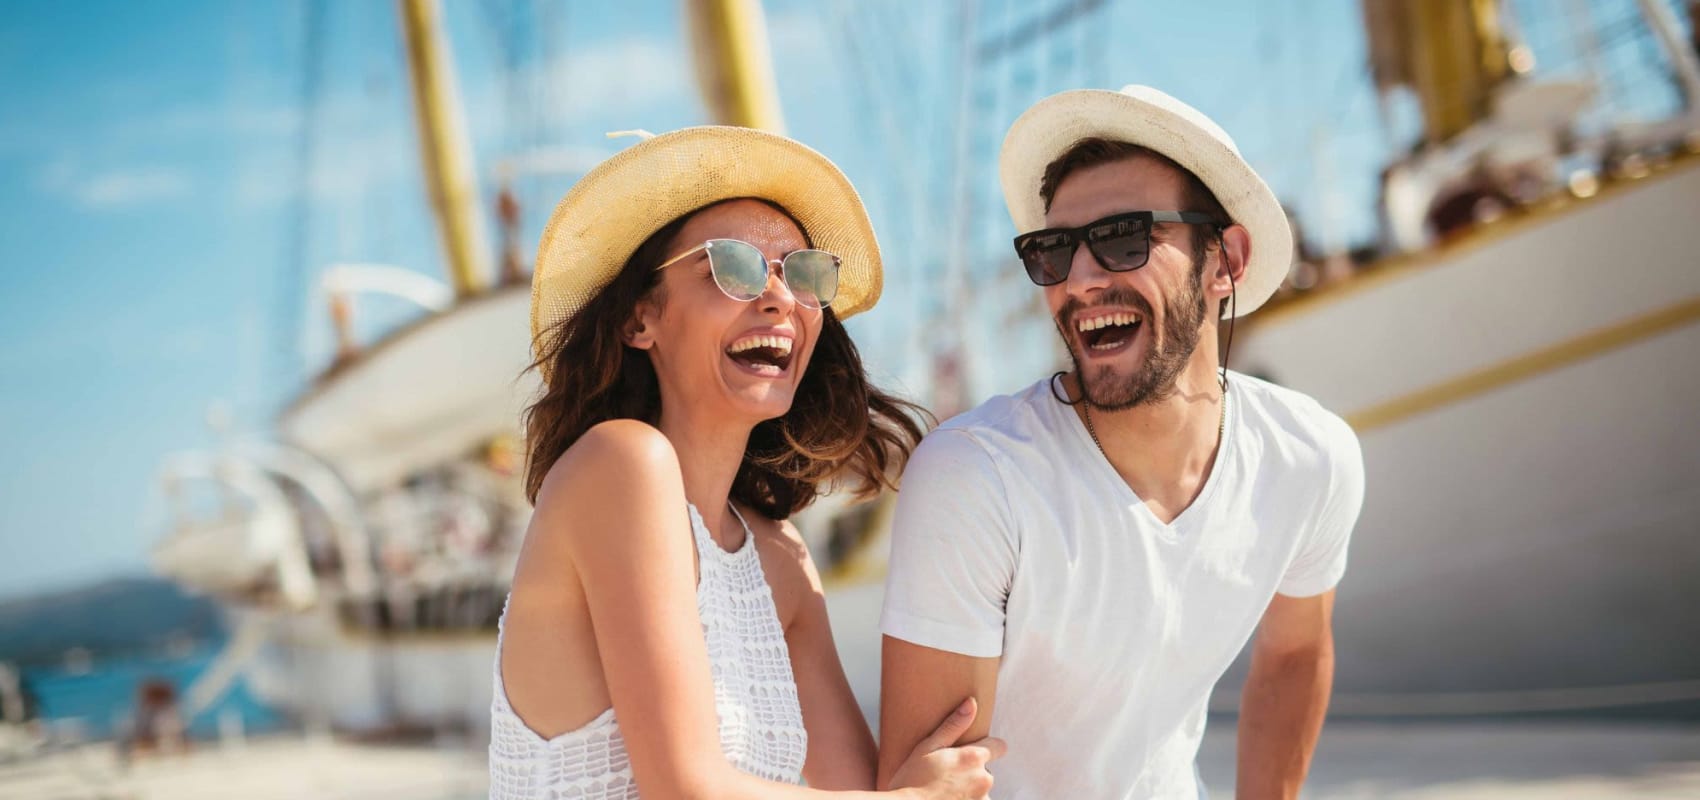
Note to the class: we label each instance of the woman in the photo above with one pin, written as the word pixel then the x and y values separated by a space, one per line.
pixel 666 629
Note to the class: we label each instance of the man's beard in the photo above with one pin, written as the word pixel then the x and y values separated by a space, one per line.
pixel 1165 357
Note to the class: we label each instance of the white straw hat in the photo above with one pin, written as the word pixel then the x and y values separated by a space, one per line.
pixel 1147 117
pixel 624 200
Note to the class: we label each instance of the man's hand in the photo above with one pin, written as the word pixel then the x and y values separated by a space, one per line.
pixel 1286 696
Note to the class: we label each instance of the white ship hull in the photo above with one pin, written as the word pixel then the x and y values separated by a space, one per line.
pixel 330 676
pixel 425 396
pixel 1526 405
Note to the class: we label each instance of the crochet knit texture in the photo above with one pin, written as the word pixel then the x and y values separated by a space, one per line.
pixel 755 695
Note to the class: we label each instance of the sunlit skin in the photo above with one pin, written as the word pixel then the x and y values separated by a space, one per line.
pixel 603 612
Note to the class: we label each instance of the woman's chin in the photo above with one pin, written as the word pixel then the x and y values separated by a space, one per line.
pixel 761 403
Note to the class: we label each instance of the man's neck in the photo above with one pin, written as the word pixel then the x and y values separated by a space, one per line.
pixel 1165 450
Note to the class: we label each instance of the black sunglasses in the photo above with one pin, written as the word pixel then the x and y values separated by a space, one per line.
pixel 1120 242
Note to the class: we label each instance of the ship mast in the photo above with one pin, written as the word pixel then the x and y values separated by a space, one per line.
pixel 444 146
pixel 1451 53
pixel 733 66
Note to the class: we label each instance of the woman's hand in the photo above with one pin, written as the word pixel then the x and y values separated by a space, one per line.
pixel 935 770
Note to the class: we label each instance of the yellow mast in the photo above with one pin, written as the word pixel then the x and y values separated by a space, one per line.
pixel 1452 53
pixel 733 66
pixel 444 147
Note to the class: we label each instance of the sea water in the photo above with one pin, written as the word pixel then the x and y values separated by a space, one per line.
pixel 97 699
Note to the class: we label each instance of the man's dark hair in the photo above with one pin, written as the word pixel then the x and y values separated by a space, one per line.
pixel 1094 152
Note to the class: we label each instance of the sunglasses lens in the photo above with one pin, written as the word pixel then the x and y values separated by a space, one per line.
pixel 739 268
pixel 1046 256
pixel 812 276
pixel 1120 245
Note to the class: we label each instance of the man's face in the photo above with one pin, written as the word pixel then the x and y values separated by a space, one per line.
pixel 1129 333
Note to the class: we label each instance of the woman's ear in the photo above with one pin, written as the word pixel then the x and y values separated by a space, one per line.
pixel 639 330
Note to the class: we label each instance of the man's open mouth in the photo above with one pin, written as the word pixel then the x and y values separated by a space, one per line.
pixel 763 355
pixel 1106 332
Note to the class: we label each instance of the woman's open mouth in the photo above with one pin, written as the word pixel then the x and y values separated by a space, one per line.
pixel 767 356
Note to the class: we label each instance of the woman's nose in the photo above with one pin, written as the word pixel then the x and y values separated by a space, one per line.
pixel 777 296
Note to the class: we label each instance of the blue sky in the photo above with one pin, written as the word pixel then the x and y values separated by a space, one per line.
pixel 154 251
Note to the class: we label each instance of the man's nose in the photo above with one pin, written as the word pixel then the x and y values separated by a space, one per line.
pixel 1085 274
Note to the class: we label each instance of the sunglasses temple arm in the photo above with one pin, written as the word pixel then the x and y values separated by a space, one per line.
pixel 680 257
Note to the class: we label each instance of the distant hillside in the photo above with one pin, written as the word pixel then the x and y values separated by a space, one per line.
pixel 119 615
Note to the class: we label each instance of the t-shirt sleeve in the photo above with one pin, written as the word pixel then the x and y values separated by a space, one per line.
pixel 1321 560
pixel 953 549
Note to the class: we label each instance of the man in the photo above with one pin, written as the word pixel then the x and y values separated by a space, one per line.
pixel 1087 557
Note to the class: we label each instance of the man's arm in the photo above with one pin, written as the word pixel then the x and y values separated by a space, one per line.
pixel 919 686
pixel 1286 696
pixel 953 554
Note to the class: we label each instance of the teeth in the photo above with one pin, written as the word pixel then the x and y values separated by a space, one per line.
pixel 781 344
pixel 1106 321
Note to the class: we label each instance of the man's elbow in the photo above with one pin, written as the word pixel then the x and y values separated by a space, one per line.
pixel 1311 652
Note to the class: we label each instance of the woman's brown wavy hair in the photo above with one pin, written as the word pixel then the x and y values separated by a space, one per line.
pixel 840 429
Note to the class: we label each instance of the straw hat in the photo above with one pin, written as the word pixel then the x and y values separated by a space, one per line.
pixel 1144 116
pixel 627 198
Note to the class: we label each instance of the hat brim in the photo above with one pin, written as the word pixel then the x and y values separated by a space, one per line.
pixel 1053 125
pixel 624 200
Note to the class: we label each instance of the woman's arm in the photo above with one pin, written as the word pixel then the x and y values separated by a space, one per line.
pixel 841 748
pixel 615 505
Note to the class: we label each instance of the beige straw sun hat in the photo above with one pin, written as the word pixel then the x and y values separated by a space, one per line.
pixel 624 200
pixel 1145 116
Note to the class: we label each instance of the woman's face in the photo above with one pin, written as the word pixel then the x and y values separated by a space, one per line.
pixel 718 354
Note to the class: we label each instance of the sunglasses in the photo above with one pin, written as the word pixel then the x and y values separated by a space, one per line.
pixel 740 270
pixel 1120 242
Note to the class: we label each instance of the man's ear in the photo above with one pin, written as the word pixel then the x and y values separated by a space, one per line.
pixel 639 330
pixel 1234 254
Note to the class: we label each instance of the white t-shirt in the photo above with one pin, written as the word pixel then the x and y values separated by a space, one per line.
pixel 1014 537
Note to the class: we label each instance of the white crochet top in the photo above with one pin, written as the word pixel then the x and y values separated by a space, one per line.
pixel 755 695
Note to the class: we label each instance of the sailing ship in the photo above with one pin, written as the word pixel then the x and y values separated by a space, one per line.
pixel 1512 357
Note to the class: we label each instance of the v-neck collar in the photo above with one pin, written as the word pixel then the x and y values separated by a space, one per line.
pixel 1176 528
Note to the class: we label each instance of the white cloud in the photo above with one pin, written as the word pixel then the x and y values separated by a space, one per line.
pixel 175 124
pixel 618 78
pixel 346 166
pixel 115 188
pixel 131 187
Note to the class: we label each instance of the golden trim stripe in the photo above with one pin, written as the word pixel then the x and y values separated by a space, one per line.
pixel 1399 267
pixel 1526 366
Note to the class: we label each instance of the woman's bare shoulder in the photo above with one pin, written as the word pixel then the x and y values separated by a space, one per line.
pixel 623 456
pixel 615 477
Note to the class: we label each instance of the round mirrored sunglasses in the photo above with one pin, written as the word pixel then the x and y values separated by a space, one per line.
pixel 741 271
